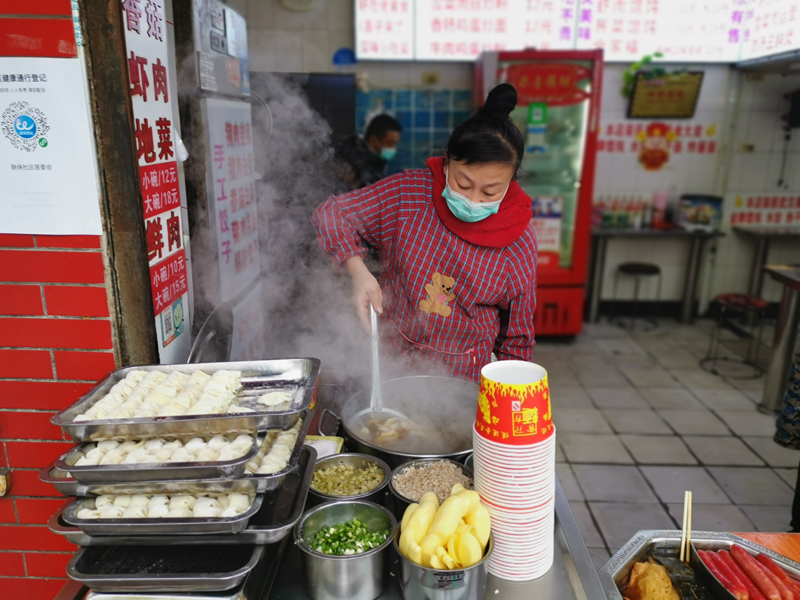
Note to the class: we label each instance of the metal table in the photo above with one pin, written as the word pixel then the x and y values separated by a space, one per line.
pixel 763 236
pixel 572 577
pixel 777 374
pixel 600 238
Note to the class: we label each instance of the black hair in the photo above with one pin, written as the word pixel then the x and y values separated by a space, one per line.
pixel 381 125
pixel 489 135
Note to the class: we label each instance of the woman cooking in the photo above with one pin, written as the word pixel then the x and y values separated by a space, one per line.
pixel 458 254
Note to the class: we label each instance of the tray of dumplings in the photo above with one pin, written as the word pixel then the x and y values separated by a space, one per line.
pixel 193 399
pixel 160 514
pixel 280 511
pixel 156 459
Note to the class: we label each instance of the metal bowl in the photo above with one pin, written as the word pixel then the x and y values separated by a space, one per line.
pixel 354 577
pixel 359 461
pixel 399 502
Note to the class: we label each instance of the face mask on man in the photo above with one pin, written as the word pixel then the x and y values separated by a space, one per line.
pixel 464 208
pixel 387 154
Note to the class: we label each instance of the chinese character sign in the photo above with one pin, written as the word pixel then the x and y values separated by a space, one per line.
pixel 384 29
pixel 234 200
pixel 149 72
pixel 48 164
pixel 769 27
pixel 775 210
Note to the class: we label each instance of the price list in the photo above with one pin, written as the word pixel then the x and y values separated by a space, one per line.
pixel 385 29
pixel 770 27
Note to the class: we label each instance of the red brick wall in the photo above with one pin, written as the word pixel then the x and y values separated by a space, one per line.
pixel 55 342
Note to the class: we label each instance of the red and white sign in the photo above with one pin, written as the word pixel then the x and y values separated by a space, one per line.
pixel 146 30
pixel 555 84
pixel 766 210
pixel 234 207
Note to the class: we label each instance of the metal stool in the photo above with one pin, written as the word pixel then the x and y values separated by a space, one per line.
pixel 637 270
pixel 751 308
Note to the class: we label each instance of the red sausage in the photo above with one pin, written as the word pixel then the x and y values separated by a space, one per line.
pixel 755 572
pixel 772 567
pixel 751 587
pixel 785 591
pixel 726 578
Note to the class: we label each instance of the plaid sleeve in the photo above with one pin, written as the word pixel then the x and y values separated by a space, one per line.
pixel 516 338
pixel 345 224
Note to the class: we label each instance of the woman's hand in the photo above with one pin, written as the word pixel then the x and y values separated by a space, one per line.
pixel 366 289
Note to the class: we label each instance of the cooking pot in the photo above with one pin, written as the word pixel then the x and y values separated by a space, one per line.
pixel 443 404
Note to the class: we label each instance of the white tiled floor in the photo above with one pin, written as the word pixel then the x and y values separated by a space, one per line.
pixel 639 423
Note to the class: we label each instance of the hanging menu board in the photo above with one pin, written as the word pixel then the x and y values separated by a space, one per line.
pixel 771 27
pixel 385 29
pixel 683 30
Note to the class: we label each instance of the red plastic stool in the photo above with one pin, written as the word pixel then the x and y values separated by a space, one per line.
pixel 752 307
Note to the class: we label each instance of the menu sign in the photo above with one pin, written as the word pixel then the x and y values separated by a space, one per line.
pixel 771 27
pixel 148 63
pixel 385 29
pixel 683 30
pixel 234 195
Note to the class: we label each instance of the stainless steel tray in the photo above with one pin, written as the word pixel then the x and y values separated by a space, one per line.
pixel 279 512
pixel 299 374
pixel 615 573
pixel 105 474
pixel 268 483
pixel 158 582
pixel 158 527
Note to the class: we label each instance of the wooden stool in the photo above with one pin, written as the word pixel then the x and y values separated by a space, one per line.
pixel 637 270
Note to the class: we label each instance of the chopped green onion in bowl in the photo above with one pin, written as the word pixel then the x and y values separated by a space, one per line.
pixel 350 537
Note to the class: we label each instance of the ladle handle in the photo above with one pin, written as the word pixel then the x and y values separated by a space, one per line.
pixel 377 400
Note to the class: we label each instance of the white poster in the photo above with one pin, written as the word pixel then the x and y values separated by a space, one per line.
pixel 47 158
pixel 248 341
pixel 233 205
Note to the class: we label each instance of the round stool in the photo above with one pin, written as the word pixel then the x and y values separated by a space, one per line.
pixel 637 270
pixel 751 308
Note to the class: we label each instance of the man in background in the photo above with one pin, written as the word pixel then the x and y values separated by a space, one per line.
pixel 364 161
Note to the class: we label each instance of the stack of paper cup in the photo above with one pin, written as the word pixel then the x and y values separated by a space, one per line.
pixel 515 449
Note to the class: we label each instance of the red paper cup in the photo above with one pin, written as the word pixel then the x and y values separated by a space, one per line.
pixel 514 403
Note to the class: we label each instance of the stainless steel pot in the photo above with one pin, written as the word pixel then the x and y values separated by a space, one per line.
pixel 399 502
pixel 421 583
pixel 357 576
pixel 359 461
pixel 442 403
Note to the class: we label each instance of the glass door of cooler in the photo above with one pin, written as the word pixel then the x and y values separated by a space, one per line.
pixel 552 113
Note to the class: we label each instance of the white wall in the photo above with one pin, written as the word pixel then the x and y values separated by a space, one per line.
pixel 742 110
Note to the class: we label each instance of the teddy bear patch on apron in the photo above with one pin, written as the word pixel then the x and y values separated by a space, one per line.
pixel 440 294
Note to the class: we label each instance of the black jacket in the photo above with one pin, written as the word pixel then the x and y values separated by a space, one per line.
pixel 358 165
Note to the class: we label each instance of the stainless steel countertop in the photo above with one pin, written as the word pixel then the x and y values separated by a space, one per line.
pixel 572 577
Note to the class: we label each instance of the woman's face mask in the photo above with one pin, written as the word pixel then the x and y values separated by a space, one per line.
pixel 464 208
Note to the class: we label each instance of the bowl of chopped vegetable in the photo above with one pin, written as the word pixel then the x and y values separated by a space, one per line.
pixel 438 475
pixel 349 476
pixel 346 549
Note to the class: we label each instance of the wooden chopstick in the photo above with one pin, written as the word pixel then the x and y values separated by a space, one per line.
pixel 686 532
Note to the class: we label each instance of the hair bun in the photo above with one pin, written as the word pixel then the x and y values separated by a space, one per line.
pixel 501 100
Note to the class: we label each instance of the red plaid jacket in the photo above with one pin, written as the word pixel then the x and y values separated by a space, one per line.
pixel 397 216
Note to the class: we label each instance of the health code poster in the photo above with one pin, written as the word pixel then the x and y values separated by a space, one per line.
pixel 47 156
pixel 148 68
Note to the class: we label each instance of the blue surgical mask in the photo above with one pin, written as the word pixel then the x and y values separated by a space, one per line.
pixel 387 154
pixel 467 210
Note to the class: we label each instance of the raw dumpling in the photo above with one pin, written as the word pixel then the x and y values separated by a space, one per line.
pixel 82 417
pixel 182 455
pixel 171 410
pixel 154 445
pixel 135 512
pixel 107 445
pixel 112 457
pixel 86 513
pixel 229 453
pixel 158 499
pixel 182 500
pixel 140 500
pixel 240 409
pixel 158 511
pixel 172 446
pixel 111 512
pixel 85 461
pixel 102 501
pixel 195 444
pixel 240 502
pixel 207 455
pixel 129 446
pixel 207 507
pixel 179 513
pixel 162 455
pixel 274 398
pixel 123 501
pixel 229 512
pixel 217 442
pixel 243 440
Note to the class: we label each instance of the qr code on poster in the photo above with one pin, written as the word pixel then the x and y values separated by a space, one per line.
pixel 168 325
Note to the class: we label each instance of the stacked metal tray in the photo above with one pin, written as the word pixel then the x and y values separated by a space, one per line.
pixel 297 376
pixel 278 499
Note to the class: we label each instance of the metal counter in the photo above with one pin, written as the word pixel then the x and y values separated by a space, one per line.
pixel 572 577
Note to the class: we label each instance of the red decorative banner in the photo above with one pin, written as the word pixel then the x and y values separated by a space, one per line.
pixel 554 84
pixel 169 281
pixel 159 188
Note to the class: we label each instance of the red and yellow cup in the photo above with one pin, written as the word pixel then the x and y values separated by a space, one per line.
pixel 514 404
